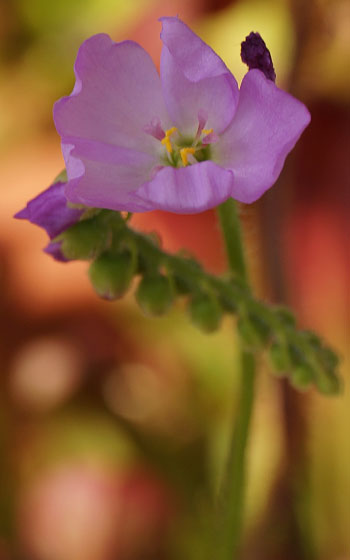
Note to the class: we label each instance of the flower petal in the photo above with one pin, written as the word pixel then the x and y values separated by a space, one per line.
pixel 54 249
pixel 188 190
pixel 105 176
pixel 265 128
pixel 116 95
pixel 194 78
pixel 49 210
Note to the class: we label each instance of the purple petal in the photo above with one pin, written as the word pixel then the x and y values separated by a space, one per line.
pixel 54 249
pixel 49 210
pixel 196 59
pixel 105 176
pixel 265 128
pixel 116 95
pixel 188 190
pixel 194 78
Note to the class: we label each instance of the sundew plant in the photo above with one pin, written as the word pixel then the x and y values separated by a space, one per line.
pixel 184 141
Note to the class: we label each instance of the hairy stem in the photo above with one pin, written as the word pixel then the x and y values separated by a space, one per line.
pixel 232 490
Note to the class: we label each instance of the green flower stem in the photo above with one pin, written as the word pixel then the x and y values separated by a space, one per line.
pixel 233 486
pixel 232 491
pixel 231 229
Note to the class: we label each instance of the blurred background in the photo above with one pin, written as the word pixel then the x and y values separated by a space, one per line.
pixel 113 426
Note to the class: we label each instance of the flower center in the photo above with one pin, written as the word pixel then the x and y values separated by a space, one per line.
pixel 186 151
pixel 180 150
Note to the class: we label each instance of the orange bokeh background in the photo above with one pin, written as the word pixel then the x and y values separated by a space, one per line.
pixel 65 356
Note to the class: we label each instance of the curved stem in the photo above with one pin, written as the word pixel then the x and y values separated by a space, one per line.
pixel 232 490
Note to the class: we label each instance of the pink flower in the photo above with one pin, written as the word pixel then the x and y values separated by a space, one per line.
pixel 182 142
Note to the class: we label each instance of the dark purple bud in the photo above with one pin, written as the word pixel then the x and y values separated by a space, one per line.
pixel 255 54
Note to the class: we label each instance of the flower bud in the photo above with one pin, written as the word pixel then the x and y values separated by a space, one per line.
pixel 329 359
pixel 286 316
pixel 302 376
pixel 205 312
pixel 84 239
pixel 111 274
pixel 327 383
pixel 312 339
pixel 279 358
pixel 154 294
pixel 253 330
pixel 255 54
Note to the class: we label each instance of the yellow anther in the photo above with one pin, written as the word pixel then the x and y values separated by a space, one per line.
pixel 166 140
pixel 184 153
pixel 170 131
pixel 207 130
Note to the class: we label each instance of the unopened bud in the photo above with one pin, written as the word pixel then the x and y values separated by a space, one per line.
pixel 255 54
pixel 154 294
pixel 302 377
pixel 286 316
pixel 253 331
pixel 84 240
pixel 329 359
pixel 279 358
pixel 327 383
pixel 111 274
pixel 205 312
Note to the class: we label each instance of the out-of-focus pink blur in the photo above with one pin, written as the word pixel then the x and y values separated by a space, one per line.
pixel 89 390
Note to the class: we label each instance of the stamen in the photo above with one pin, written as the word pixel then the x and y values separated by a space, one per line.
pixel 170 131
pixel 184 154
pixel 166 140
pixel 207 131
pixel 210 137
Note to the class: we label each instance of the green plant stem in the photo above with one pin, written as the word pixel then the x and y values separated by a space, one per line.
pixel 231 229
pixel 232 490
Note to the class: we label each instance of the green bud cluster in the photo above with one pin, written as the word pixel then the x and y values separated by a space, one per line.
pixel 118 254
